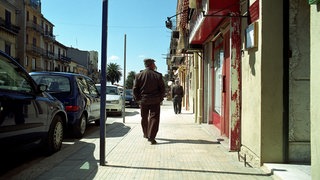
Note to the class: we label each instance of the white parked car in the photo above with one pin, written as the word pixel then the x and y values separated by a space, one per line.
pixel 114 101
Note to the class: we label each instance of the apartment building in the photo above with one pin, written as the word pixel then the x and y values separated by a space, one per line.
pixel 8 28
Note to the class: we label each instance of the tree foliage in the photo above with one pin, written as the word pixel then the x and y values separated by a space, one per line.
pixel 113 73
pixel 130 79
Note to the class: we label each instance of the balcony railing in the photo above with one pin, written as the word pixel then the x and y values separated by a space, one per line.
pixel 35 27
pixel 49 35
pixel 35 50
pixel 9 27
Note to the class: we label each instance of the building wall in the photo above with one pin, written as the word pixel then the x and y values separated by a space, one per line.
pixel 315 89
pixel 6 37
pixel 299 82
pixel 262 88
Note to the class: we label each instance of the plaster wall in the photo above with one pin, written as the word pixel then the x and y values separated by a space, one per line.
pixel 315 89
pixel 262 74
pixel 299 82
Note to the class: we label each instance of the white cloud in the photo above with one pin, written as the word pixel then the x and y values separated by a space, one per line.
pixel 142 56
pixel 114 58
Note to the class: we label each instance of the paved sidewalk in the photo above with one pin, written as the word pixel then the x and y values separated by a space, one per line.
pixel 185 150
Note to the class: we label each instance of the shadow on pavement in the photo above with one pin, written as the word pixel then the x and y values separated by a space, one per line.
pixel 117 129
pixel 186 141
pixel 193 170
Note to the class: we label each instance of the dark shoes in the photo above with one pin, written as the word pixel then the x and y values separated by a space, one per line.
pixel 152 141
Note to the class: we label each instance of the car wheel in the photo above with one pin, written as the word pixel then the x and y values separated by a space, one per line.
pixel 81 127
pixel 55 135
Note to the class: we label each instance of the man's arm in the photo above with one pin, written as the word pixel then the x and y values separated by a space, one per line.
pixel 136 89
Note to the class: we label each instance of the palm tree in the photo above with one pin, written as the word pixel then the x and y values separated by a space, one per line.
pixel 113 73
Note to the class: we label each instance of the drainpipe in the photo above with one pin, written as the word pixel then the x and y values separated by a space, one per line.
pixel 196 85
pixel 199 90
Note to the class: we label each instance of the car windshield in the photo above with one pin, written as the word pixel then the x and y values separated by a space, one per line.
pixel 54 83
pixel 112 90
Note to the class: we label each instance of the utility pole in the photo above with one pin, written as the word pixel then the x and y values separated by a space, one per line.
pixel 124 79
pixel 103 83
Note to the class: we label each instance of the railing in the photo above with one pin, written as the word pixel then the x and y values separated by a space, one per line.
pixel 49 35
pixel 34 49
pixel 35 26
pixel 9 27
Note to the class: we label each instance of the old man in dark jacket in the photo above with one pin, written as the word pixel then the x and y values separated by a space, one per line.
pixel 148 90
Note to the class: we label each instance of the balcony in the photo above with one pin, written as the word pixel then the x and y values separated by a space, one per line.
pixel 35 27
pixel 34 50
pixel 49 35
pixel 65 58
pixel 7 26
pixel 50 55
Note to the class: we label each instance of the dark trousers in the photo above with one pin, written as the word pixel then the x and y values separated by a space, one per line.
pixel 150 118
pixel 177 105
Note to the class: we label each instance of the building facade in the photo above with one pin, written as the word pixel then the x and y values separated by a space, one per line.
pixel 254 75
pixel 28 36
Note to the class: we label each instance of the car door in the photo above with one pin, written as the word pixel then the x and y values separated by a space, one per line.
pixel 21 115
pixel 95 99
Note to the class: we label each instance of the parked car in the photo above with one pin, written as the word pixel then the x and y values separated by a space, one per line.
pixel 79 95
pixel 130 101
pixel 27 113
pixel 114 101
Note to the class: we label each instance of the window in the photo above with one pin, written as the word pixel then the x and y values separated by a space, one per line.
pixel 8 17
pixel 33 64
pixel 11 77
pixel 26 61
pixel 92 88
pixel 218 64
pixel 34 42
pixel 34 19
pixel 83 85
pixel 8 48
pixel 28 16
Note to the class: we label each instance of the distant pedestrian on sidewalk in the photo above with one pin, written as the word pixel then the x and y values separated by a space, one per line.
pixel 177 95
pixel 148 90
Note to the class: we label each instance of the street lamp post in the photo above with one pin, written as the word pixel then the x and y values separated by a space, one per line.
pixel 103 83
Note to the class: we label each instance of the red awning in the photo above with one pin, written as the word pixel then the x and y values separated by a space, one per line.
pixel 209 23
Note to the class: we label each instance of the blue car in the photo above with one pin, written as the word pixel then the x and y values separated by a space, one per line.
pixel 27 113
pixel 79 95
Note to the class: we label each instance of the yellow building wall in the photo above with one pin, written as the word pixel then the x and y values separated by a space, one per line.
pixel 262 91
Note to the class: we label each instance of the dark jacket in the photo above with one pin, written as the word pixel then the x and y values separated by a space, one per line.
pixel 177 92
pixel 148 87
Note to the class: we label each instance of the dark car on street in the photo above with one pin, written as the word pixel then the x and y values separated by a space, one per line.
pixel 79 95
pixel 27 113
pixel 130 101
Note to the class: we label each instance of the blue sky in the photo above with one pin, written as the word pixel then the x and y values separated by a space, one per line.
pixel 77 23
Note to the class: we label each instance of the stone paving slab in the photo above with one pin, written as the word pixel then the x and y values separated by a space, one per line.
pixel 185 150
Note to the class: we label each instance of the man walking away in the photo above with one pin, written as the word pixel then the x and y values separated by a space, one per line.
pixel 148 90
pixel 177 94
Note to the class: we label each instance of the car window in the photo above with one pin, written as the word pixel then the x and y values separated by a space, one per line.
pixel 112 90
pixel 92 88
pixel 12 77
pixel 54 83
pixel 83 85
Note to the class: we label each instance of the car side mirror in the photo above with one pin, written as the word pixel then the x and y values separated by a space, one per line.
pixel 42 87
